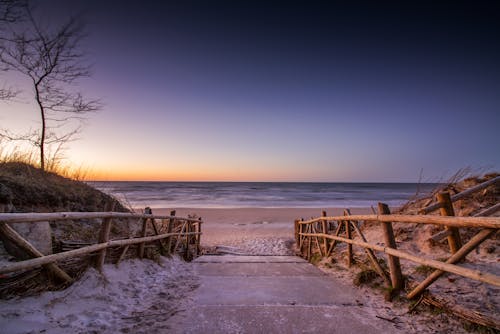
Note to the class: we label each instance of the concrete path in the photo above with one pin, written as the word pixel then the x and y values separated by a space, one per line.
pixel 275 294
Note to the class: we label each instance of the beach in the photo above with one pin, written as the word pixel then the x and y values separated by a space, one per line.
pixel 146 296
pixel 253 230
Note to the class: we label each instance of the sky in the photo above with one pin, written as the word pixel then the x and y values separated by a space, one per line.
pixel 340 91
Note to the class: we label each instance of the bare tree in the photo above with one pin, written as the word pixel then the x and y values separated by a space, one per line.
pixel 52 61
pixel 10 11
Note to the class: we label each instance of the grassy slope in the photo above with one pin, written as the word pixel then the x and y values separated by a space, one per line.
pixel 28 189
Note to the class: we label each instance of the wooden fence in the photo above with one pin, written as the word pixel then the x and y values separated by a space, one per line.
pixel 171 233
pixel 319 236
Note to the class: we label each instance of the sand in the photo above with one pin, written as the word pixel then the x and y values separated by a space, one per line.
pixel 136 297
pixel 143 296
pixel 254 231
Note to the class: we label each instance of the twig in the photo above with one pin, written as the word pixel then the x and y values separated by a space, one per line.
pixel 393 320
pixel 414 306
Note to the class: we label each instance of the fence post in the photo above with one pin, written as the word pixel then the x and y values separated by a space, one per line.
pixel 301 237
pixel 324 231
pixel 198 236
pixel 347 226
pixel 168 240
pixel 147 211
pixel 104 236
pixel 296 231
pixel 446 209
pixel 394 265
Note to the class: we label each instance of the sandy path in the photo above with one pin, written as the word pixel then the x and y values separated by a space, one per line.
pixel 142 296
pixel 137 297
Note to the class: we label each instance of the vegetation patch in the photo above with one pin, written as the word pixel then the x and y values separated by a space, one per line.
pixel 364 277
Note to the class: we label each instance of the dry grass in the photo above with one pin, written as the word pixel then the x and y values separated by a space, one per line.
pixel 26 188
pixel 54 162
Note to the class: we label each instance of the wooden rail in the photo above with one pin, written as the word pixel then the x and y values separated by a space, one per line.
pixel 178 227
pixel 482 222
pixel 55 216
pixel 308 233
pixel 490 226
pixel 461 195
pixel 46 259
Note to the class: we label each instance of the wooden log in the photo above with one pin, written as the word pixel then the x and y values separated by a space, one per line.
pixel 488 211
pixel 178 240
pixel 376 265
pixel 48 259
pixel 461 195
pixel 309 244
pixel 348 236
pixel 325 231
pixel 163 250
pixel 394 265
pixel 337 233
pixel 296 231
pixel 303 229
pixel 456 257
pixel 302 238
pixel 314 230
pixel 10 234
pixel 480 222
pixel 188 229
pixel 143 233
pixel 454 240
pixel 451 268
pixel 56 216
pixel 463 312
pixel 198 238
pixel 122 254
pixel 440 236
pixel 104 236
pixel 170 226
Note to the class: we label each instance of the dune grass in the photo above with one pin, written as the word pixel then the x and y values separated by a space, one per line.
pixel 55 162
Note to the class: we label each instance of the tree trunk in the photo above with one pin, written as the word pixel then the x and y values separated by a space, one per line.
pixel 42 135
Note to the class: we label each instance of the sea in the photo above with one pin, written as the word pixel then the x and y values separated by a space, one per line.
pixel 173 195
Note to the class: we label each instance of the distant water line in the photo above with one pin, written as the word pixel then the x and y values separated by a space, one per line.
pixel 259 194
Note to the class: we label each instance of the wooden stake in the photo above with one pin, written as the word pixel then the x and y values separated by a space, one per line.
pixel 104 236
pixel 156 230
pixel 371 255
pixel 296 231
pixel 394 265
pixel 337 232
pixel 178 240
pixel 309 246
pixel 10 234
pixel 122 255
pixel 451 268
pixel 314 230
pixel 349 246
pixel 446 209
pixel 168 241
pixel 458 256
pixel 198 238
pixel 325 231
pixel 147 211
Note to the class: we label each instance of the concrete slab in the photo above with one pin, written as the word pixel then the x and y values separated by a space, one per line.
pixel 257 269
pixel 248 259
pixel 284 320
pixel 274 294
pixel 272 290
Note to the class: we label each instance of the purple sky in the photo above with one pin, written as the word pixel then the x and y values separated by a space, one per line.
pixel 263 91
